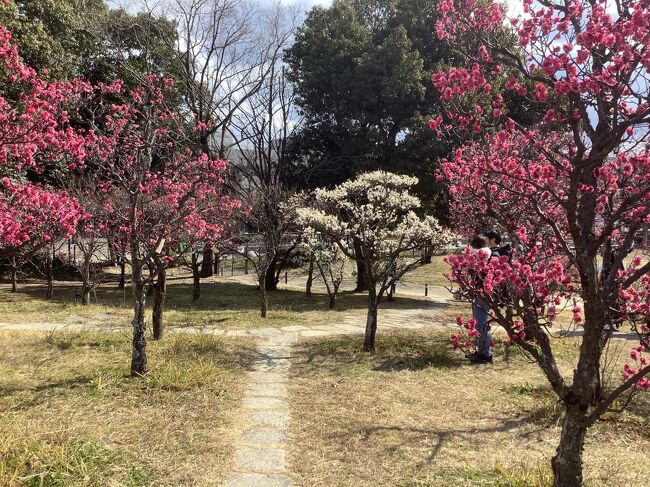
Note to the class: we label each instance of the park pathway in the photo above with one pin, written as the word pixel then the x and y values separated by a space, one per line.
pixel 260 458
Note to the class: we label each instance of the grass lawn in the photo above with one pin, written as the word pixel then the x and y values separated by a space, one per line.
pixel 432 274
pixel 70 415
pixel 223 304
pixel 416 414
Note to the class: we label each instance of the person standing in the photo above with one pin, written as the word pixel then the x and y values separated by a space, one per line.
pixel 480 313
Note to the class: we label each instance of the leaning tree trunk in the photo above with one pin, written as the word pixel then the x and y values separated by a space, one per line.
pixel 310 278
pixel 371 322
pixel 567 462
pixel 159 295
pixel 264 301
pixel 207 266
pixel 196 275
pixel 362 281
pixel 139 348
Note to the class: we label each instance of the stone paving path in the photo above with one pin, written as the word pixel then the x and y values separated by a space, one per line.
pixel 261 456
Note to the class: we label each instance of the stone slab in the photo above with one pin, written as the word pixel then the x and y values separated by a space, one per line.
pixel 255 402
pixel 258 480
pixel 263 437
pixel 267 377
pixel 267 389
pixel 294 328
pixel 271 365
pixel 268 460
pixel 270 419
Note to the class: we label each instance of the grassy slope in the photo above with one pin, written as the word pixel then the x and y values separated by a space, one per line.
pixel 416 414
pixel 70 415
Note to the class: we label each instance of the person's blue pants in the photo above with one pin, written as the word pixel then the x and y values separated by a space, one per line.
pixel 480 313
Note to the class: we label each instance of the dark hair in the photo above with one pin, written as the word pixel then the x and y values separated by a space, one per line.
pixel 477 242
pixel 493 235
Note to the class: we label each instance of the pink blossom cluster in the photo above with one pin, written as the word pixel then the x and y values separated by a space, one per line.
pixel 157 192
pixel 577 183
pixel 34 131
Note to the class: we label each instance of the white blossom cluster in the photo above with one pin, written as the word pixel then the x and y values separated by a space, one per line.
pixel 377 209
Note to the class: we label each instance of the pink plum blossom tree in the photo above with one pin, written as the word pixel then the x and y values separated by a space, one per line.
pixel 34 131
pixel 163 199
pixel 573 192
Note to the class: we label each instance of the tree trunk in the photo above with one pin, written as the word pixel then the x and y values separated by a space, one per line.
pixel 427 255
pixel 271 280
pixel 159 295
pixel 264 302
pixel 567 462
pixel 122 282
pixel 14 277
pixel 85 294
pixel 50 276
pixel 139 348
pixel 207 266
pixel 310 278
pixel 371 324
pixel 196 290
pixel 362 281
pixel 332 300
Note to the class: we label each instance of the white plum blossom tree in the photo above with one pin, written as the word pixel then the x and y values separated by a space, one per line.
pixel 377 209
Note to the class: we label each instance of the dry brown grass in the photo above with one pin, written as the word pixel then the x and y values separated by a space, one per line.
pixel 70 415
pixel 416 414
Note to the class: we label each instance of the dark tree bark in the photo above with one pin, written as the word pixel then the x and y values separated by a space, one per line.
pixel 567 462
pixel 332 301
pixel 159 295
pixel 362 281
pixel 122 282
pixel 196 275
pixel 14 275
pixel 139 349
pixel 264 302
pixel 371 323
pixel 310 278
pixel 207 266
pixel 50 275
pixel 271 276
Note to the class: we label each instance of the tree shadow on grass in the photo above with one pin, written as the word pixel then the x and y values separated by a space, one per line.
pixel 528 424
pixel 396 351
pixel 215 296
